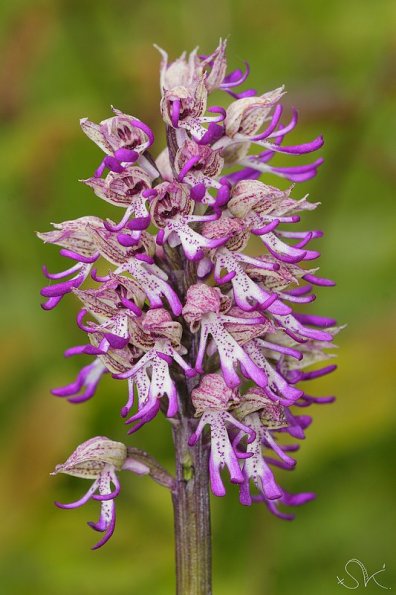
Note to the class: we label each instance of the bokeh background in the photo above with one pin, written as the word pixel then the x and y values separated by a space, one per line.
pixel 64 59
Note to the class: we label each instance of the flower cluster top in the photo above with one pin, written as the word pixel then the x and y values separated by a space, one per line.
pixel 178 299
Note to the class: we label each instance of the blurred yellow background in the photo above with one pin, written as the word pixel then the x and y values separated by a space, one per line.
pixel 64 59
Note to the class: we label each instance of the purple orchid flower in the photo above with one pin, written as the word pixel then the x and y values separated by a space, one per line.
pixel 100 459
pixel 123 138
pixel 211 400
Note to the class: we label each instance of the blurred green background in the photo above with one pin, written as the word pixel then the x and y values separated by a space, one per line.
pixel 64 59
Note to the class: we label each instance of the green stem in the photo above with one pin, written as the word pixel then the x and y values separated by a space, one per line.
pixel 190 495
pixel 192 515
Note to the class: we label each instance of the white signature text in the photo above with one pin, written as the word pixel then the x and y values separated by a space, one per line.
pixel 355 570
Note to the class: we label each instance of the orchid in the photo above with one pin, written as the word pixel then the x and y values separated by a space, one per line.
pixel 182 314
pixel 101 459
pixel 211 399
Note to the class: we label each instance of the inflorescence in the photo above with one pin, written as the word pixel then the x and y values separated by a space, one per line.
pixel 180 300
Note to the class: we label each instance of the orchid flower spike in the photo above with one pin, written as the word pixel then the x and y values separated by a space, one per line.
pixel 175 307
